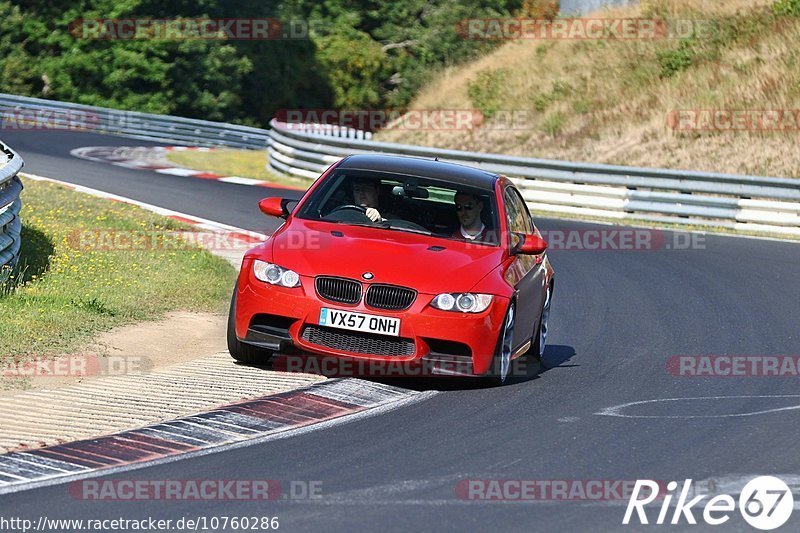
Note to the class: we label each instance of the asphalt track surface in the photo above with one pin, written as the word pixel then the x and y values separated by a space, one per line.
pixel 617 317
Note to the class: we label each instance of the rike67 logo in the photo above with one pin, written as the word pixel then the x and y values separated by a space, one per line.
pixel 765 503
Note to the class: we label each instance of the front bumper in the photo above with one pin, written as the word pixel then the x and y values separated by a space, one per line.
pixel 449 343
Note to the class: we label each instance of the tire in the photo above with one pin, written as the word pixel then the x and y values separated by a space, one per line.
pixel 244 353
pixel 540 339
pixel 501 363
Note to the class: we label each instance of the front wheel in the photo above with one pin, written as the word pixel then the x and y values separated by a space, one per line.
pixel 533 358
pixel 244 353
pixel 502 357
pixel 539 340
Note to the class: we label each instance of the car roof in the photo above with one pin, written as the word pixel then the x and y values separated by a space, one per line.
pixel 423 168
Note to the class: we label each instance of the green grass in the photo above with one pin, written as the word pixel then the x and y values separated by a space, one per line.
pixel 60 295
pixel 242 163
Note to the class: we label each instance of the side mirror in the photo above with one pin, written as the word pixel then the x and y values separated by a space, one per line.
pixel 275 206
pixel 530 245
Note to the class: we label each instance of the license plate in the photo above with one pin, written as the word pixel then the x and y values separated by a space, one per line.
pixel 382 325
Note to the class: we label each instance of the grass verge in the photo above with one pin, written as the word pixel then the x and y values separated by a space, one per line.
pixel 242 163
pixel 61 294
pixel 620 101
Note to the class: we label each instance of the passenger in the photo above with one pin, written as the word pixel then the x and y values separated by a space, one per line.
pixel 468 209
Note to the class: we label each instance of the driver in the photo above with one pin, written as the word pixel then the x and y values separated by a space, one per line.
pixel 365 194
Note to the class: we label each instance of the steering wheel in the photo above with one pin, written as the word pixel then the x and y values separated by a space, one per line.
pixel 360 208
pixel 348 213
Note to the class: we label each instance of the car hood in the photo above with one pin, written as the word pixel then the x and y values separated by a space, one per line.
pixel 428 264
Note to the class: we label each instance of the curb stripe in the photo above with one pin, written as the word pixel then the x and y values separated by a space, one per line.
pixel 207 176
pixel 15 470
pixel 61 455
pixel 138 441
pixel 164 432
pixel 164 445
pixel 90 450
pixel 234 420
pixel 131 157
pixel 226 428
pixel 205 435
pixel 173 171
pixel 45 464
pixel 241 181
pixel 10 478
pixel 236 423
pixel 18 467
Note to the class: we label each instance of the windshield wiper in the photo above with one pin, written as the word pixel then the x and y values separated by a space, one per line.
pixel 362 224
pixel 383 224
pixel 410 230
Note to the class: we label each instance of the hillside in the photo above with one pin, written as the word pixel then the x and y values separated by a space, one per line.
pixel 627 101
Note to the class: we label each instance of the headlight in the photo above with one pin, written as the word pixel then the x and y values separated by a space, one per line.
pixel 275 275
pixel 463 302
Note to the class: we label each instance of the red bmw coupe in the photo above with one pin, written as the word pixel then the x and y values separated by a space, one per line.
pixel 398 259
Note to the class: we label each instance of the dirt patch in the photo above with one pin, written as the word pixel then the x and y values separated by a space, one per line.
pixel 181 336
pixel 178 338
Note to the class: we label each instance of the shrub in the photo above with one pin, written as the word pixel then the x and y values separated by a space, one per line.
pixel 675 60
pixel 787 8
pixel 553 124
pixel 485 92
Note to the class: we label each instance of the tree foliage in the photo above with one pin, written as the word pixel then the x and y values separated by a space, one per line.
pixel 358 54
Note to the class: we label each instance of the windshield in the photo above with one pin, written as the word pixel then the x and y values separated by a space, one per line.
pixel 405 203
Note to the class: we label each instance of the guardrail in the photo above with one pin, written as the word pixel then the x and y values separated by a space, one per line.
pixel 332 130
pixel 746 203
pixel 21 112
pixel 10 205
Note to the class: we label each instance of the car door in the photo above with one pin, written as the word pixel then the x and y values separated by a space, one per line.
pixel 525 273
